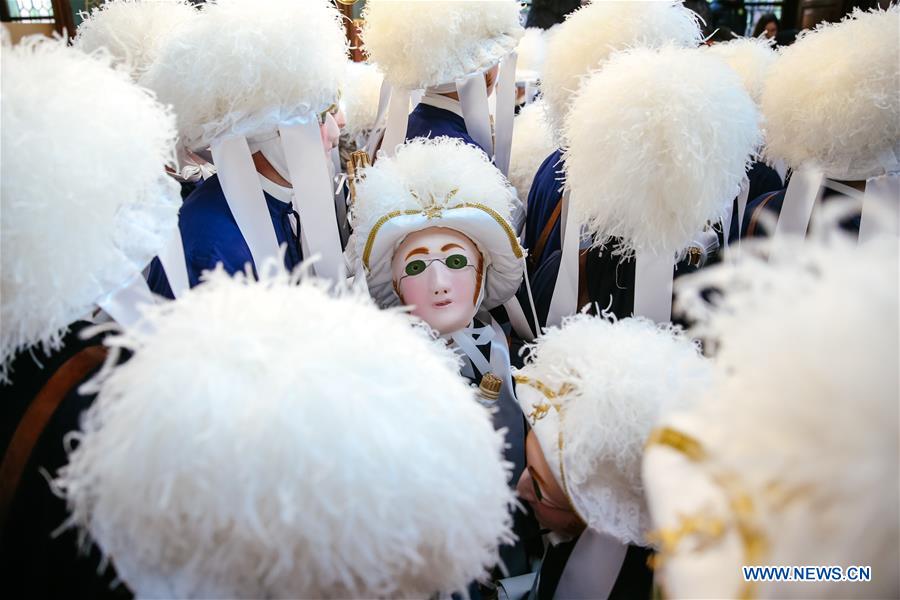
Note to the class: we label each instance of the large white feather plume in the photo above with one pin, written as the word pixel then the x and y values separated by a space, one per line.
pixel 658 142
pixel 244 67
pixel 86 202
pixel 133 31
pixel 532 142
pixel 622 373
pixel 833 97
pixel 421 43
pixel 751 58
pixel 268 439
pixel 804 411
pixel 590 35
pixel 361 92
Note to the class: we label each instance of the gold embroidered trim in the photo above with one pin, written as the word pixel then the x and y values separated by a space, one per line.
pixel 710 529
pixel 539 412
pixel 677 440
pixel 431 212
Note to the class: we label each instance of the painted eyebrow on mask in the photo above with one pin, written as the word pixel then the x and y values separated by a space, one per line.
pixel 420 250
pixel 451 245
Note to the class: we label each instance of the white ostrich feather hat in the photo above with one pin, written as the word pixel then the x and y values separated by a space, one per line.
pixel 593 390
pixel 74 229
pixel 832 100
pixel 359 99
pixel 247 76
pixel 532 143
pixel 590 35
pixel 531 51
pixel 233 71
pixel 423 43
pixel 787 482
pixel 751 58
pixel 314 457
pixel 441 182
pixel 133 31
pixel 658 143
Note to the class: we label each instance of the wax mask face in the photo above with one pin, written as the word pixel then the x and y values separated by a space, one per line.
pixel 438 272
pixel 331 132
pixel 539 488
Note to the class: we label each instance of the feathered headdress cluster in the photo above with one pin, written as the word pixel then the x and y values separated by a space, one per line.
pixel 291 444
pixel 86 201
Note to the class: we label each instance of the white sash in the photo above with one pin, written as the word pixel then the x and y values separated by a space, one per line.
pixel 592 568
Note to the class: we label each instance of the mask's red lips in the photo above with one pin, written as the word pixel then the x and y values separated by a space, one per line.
pixel 442 303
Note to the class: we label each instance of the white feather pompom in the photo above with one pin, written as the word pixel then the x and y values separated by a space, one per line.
pixel 531 51
pixel 658 143
pixel 833 97
pixel 622 373
pixel 133 31
pixel 532 142
pixel 244 67
pixel 751 58
pixel 805 409
pixel 291 443
pixel 361 92
pixel 86 202
pixel 590 35
pixel 421 43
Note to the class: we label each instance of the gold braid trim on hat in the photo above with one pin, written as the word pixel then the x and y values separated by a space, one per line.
pixel 539 412
pixel 709 530
pixel 433 211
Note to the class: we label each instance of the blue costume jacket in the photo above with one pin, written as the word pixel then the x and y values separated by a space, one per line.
pixel 430 122
pixel 211 236
pixel 545 194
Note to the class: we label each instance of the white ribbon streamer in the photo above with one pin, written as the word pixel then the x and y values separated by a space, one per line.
pixel 743 197
pixel 244 194
pixel 592 568
pixel 377 132
pixel 531 91
pixel 881 208
pixel 314 197
pixel 397 121
pixel 473 101
pixel 653 285
pixel 518 320
pixel 803 191
pixel 565 293
pixel 123 304
pixel 843 188
pixel 415 97
pixel 781 168
pixel 506 111
pixel 174 263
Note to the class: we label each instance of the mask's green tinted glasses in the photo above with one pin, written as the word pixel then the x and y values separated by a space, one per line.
pixel 454 261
